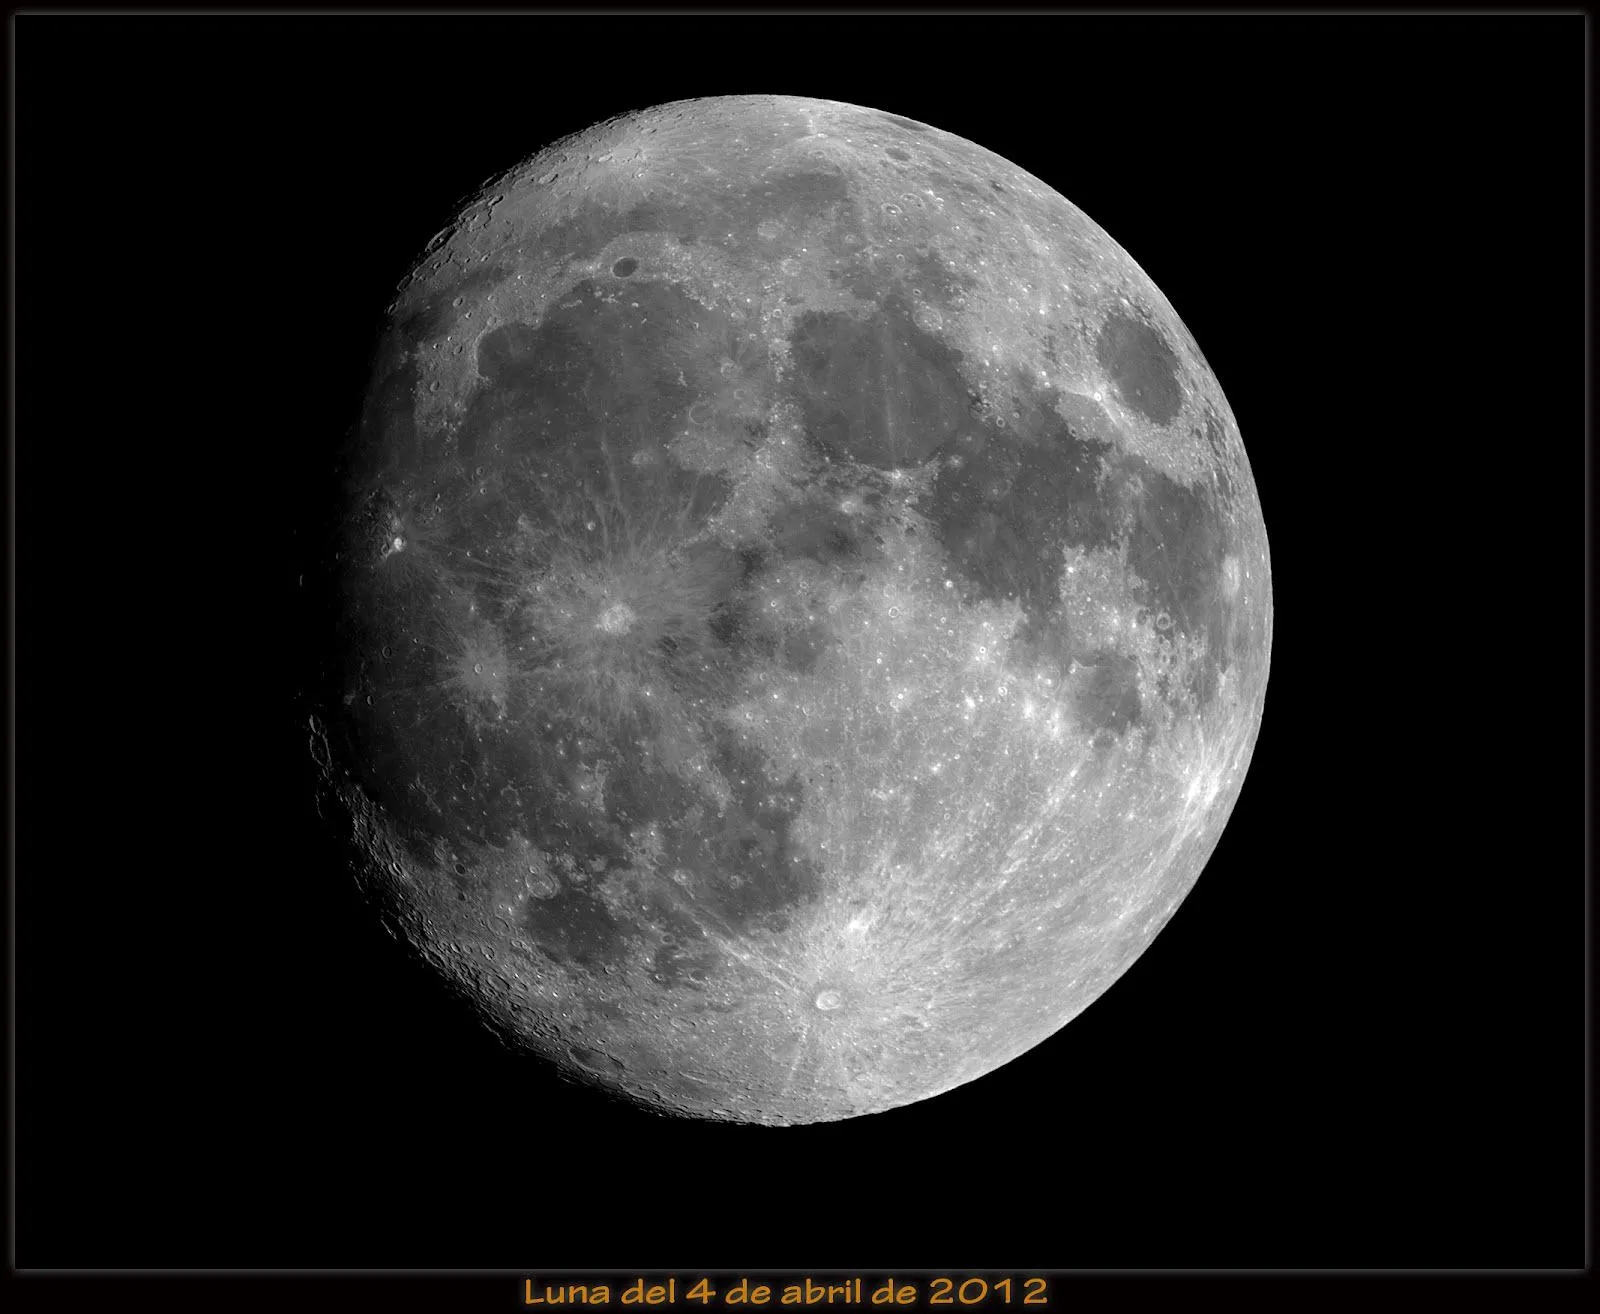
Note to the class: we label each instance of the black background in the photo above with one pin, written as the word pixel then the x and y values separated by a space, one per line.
pixel 1361 1041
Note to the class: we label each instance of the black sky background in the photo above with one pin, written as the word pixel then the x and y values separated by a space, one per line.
pixel 1361 1041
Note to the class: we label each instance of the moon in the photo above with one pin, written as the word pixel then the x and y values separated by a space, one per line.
pixel 802 610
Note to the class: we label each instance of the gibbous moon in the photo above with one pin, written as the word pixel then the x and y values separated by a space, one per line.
pixel 803 610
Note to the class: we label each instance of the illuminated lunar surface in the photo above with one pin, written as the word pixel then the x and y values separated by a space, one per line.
pixel 804 610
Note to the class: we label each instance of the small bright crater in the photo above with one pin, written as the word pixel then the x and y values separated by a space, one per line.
pixel 618 618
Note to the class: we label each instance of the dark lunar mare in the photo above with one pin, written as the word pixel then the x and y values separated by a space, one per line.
pixel 544 458
pixel 1013 493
